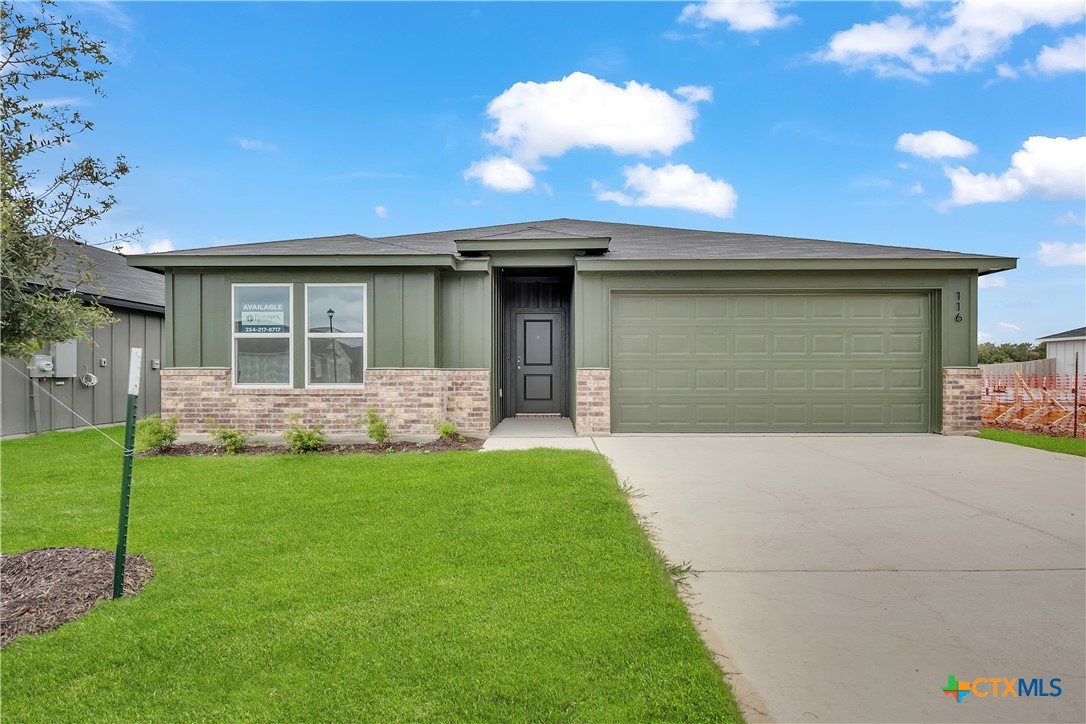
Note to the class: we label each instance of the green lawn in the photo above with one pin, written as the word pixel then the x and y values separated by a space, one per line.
pixel 1068 445
pixel 456 586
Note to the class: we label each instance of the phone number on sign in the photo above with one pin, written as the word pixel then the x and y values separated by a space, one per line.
pixel 261 330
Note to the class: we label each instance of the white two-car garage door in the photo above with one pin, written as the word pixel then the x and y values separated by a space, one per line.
pixel 846 362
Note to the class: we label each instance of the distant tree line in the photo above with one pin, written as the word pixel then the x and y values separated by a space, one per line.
pixel 990 353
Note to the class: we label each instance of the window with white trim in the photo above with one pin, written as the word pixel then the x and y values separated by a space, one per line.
pixel 261 331
pixel 335 334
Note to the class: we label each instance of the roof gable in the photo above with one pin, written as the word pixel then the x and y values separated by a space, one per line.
pixel 1078 333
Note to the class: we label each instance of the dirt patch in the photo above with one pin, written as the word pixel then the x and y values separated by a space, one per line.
pixel 439 445
pixel 45 588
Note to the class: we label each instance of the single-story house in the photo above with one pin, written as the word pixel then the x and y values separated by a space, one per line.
pixel 1063 347
pixel 90 377
pixel 622 328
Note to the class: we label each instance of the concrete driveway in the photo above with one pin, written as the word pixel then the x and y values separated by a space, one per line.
pixel 844 578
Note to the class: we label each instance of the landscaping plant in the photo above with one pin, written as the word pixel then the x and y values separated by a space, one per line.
pixel 445 430
pixel 154 433
pixel 301 439
pixel 376 426
pixel 233 441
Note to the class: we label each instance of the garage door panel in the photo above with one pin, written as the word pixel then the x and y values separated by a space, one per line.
pixel 634 344
pixel 909 343
pixel 751 308
pixel 790 380
pixel 789 344
pixel 674 344
pixel 710 308
pixel 748 344
pixel 710 380
pixel 712 344
pixel 788 363
pixel 710 414
pixel 674 309
pixel 913 380
pixel 751 379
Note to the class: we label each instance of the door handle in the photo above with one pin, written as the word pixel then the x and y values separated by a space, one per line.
pixel 518 362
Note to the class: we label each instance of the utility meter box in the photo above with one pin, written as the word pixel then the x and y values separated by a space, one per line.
pixel 41 365
pixel 64 356
pixel 61 363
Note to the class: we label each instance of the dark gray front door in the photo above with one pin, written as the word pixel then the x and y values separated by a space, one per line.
pixel 540 381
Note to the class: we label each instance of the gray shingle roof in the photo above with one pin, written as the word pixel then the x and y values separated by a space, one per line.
pixel 628 241
pixel 116 283
pixel 1078 333
pixel 338 244
pixel 631 241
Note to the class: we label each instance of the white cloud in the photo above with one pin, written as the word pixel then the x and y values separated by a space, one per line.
pixel 1008 325
pixel 1005 71
pixel 129 248
pixel 537 120
pixel 1049 167
pixel 111 12
pixel 983 337
pixel 695 93
pixel 253 144
pixel 935 144
pixel 747 16
pixel 381 211
pixel 674 187
pixel 916 189
pixel 966 35
pixel 501 174
pixel 1070 218
pixel 1058 253
pixel 991 282
pixel 1067 57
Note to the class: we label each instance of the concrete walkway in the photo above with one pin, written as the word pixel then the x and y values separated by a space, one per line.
pixel 527 433
pixel 844 578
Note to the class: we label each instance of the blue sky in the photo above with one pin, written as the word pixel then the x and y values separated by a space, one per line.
pixel 254 122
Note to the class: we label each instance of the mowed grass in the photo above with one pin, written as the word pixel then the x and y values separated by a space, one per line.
pixel 455 586
pixel 1067 445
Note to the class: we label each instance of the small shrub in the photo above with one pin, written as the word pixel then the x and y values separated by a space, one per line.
pixel 376 426
pixel 446 430
pixel 233 441
pixel 301 439
pixel 154 433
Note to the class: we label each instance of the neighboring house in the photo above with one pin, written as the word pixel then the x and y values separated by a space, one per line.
pixel 623 328
pixel 136 297
pixel 1063 347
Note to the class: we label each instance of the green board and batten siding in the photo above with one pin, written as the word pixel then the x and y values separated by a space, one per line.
pixel 416 318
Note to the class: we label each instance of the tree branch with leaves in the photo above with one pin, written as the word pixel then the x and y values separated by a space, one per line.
pixel 49 200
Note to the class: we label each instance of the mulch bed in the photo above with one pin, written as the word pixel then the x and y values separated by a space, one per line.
pixel 45 588
pixel 439 445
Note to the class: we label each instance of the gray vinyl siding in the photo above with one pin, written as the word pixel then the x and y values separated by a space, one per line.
pixel 1063 351
pixel 102 404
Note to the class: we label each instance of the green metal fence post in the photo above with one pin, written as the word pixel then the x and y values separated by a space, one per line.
pixel 135 363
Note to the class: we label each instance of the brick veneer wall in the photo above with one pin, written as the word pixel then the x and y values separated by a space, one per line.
pixel 593 402
pixel 416 397
pixel 961 400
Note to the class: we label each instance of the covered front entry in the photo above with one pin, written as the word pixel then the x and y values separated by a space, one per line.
pixel 835 362
pixel 535 343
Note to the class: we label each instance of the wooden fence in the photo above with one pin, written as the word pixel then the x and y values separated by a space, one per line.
pixel 1033 367
pixel 1048 404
